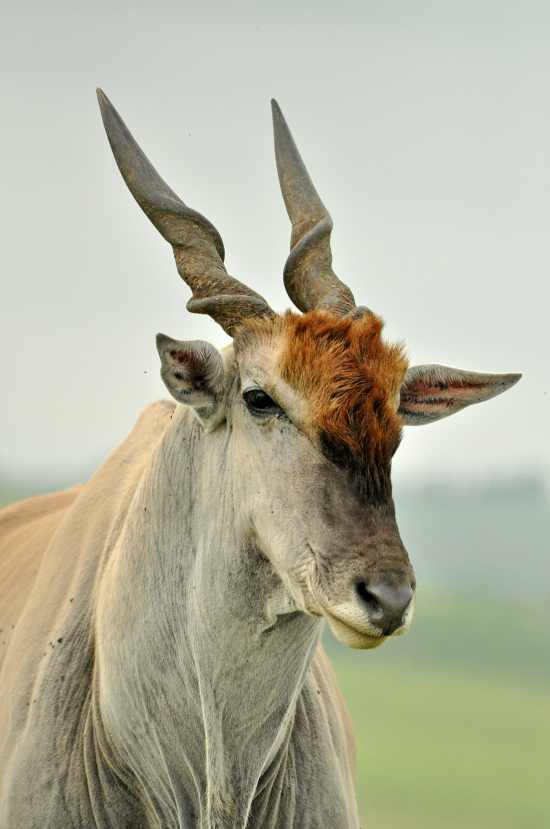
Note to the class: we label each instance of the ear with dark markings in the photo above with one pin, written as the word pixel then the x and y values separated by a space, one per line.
pixel 431 392
pixel 193 373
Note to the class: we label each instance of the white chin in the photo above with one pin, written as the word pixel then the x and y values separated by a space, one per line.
pixel 353 638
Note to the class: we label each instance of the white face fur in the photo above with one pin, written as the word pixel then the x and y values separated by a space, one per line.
pixel 296 507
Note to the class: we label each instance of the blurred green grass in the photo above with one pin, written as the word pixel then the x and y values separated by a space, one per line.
pixel 455 736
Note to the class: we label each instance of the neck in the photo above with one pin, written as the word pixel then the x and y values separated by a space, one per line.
pixel 202 654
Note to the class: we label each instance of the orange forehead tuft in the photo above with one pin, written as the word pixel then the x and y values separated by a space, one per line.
pixel 350 378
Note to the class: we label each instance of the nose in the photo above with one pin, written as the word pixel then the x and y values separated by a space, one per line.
pixel 385 603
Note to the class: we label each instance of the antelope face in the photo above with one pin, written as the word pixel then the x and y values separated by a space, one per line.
pixel 314 404
pixel 315 426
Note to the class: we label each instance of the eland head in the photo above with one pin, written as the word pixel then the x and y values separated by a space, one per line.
pixel 311 405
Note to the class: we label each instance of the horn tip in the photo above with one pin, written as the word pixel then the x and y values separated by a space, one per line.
pixel 108 112
pixel 276 111
pixel 101 97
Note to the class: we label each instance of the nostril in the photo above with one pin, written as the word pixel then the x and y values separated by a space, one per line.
pixel 375 609
pixel 385 602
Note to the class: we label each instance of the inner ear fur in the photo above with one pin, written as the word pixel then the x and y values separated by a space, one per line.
pixel 193 373
pixel 432 392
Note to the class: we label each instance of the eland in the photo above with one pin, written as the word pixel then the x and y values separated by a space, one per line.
pixel 160 661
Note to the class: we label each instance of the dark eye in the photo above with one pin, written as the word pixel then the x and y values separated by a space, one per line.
pixel 260 403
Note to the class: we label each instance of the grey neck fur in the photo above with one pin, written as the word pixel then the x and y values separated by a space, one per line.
pixel 202 655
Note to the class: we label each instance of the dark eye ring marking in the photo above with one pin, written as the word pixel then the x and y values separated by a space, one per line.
pixel 261 404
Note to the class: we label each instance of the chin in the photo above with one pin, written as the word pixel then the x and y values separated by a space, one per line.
pixel 353 638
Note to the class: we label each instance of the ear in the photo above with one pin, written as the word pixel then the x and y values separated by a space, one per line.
pixel 429 393
pixel 193 373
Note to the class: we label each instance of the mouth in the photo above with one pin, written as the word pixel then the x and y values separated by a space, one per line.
pixel 351 636
pixel 364 636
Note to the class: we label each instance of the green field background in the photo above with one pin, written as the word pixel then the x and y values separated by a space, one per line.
pixel 453 720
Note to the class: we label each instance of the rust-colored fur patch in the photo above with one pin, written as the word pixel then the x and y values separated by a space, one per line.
pixel 350 379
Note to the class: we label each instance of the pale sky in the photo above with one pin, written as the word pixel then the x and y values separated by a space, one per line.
pixel 425 126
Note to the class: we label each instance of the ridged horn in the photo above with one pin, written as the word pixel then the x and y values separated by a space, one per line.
pixel 198 247
pixel 309 279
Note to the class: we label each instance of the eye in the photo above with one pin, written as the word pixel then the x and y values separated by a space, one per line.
pixel 260 403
